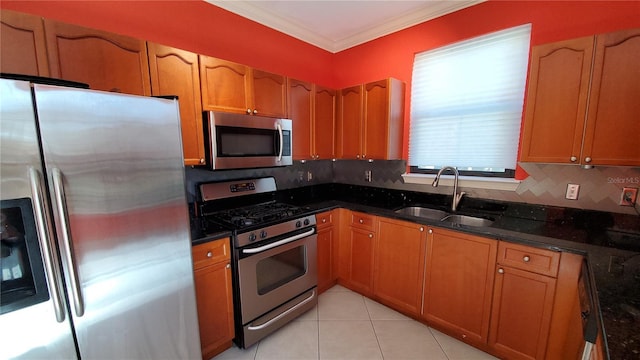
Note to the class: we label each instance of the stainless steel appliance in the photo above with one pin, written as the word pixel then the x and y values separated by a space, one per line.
pixel 96 251
pixel 274 254
pixel 247 141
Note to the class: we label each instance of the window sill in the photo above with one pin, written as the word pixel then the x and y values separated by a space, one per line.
pixel 464 181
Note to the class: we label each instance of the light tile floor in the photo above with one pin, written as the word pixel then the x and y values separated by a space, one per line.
pixel 346 325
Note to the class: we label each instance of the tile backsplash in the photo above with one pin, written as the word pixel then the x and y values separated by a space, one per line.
pixel 600 187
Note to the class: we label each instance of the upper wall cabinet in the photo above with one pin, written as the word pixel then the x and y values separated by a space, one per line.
pixel 312 109
pixel 370 121
pixel 105 61
pixel 22 44
pixel 233 87
pixel 579 113
pixel 176 72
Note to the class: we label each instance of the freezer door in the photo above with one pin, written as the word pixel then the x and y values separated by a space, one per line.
pixel 116 177
pixel 33 318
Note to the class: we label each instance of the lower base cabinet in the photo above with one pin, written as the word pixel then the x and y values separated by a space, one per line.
pixel 326 249
pixel 212 274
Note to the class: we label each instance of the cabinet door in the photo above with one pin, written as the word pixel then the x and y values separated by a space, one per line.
pixel 459 283
pixel 175 72
pixel 215 308
pixel 521 313
pixel 326 278
pixel 350 119
pixel 324 123
pixel 557 101
pixel 611 135
pixel 269 94
pixel 104 60
pixel 399 265
pixel 361 260
pixel 225 85
pixel 22 44
pixel 301 113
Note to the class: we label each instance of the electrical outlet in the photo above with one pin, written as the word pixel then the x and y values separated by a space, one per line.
pixel 309 176
pixel 300 175
pixel 629 196
pixel 572 192
pixel 367 175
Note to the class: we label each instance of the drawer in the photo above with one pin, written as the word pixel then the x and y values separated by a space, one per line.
pixel 324 219
pixel 541 261
pixel 363 221
pixel 211 253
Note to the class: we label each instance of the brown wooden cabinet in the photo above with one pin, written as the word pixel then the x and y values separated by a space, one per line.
pixel 579 113
pixel 370 120
pixel 105 61
pixel 312 109
pixel 459 283
pixel 324 123
pixel 399 265
pixel 22 44
pixel 176 72
pixel 523 301
pixel 212 274
pixel 356 249
pixel 327 249
pixel 233 87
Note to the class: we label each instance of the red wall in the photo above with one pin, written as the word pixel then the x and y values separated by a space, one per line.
pixel 205 29
pixel 195 26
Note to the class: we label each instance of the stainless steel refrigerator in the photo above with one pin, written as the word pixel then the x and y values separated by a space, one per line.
pixel 96 251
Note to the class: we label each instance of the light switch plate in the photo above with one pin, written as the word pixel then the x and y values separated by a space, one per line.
pixel 572 192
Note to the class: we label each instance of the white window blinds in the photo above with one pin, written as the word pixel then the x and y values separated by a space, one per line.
pixel 466 102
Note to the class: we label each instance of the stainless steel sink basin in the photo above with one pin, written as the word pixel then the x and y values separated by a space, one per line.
pixel 467 220
pixel 422 212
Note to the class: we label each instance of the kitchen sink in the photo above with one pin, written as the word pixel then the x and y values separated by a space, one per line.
pixel 467 220
pixel 422 212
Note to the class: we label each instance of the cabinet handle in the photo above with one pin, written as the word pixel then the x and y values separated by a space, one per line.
pixel 370 236
pixel 209 254
pixel 361 221
pixel 228 266
pixel 358 156
pixel 324 221
pixel 526 258
pixel 587 159
pixel 573 159
pixel 430 231
pixel 421 229
pixel 201 161
pixel 249 111
pixel 255 112
pixel 500 271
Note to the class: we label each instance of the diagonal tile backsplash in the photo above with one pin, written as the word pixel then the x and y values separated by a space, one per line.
pixel 600 187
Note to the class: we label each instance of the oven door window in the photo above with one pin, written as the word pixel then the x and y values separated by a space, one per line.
pixel 22 272
pixel 243 142
pixel 281 268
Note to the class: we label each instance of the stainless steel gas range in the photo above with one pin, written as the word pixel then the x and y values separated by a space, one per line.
pixel 274 259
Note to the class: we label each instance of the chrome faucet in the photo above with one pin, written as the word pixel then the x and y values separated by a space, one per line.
pixel 456 196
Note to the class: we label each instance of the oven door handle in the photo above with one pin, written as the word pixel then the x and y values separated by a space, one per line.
pixel 280 316
pixel 278 243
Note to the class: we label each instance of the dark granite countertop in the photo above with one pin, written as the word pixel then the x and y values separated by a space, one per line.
pixel 610 242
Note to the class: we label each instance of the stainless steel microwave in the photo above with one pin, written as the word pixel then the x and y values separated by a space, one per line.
pixel 237 141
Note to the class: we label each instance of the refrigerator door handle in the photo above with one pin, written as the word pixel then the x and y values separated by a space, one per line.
pixel 48 254
pixel 61 203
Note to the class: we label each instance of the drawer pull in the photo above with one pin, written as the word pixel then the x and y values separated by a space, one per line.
pixel 324 221
pixel 209 254
pixel 370 236
pixel 361 221
pixel 500 271
pixel 526 258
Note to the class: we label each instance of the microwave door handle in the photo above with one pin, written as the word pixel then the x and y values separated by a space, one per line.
pixel 279 127
pixel 44 232
pixel 61 204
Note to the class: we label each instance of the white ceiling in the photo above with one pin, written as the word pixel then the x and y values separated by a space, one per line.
pixel 336 25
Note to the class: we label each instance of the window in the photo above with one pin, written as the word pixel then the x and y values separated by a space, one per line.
pixel 466 104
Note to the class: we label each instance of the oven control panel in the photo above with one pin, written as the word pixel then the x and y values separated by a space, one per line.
pixel 268 232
